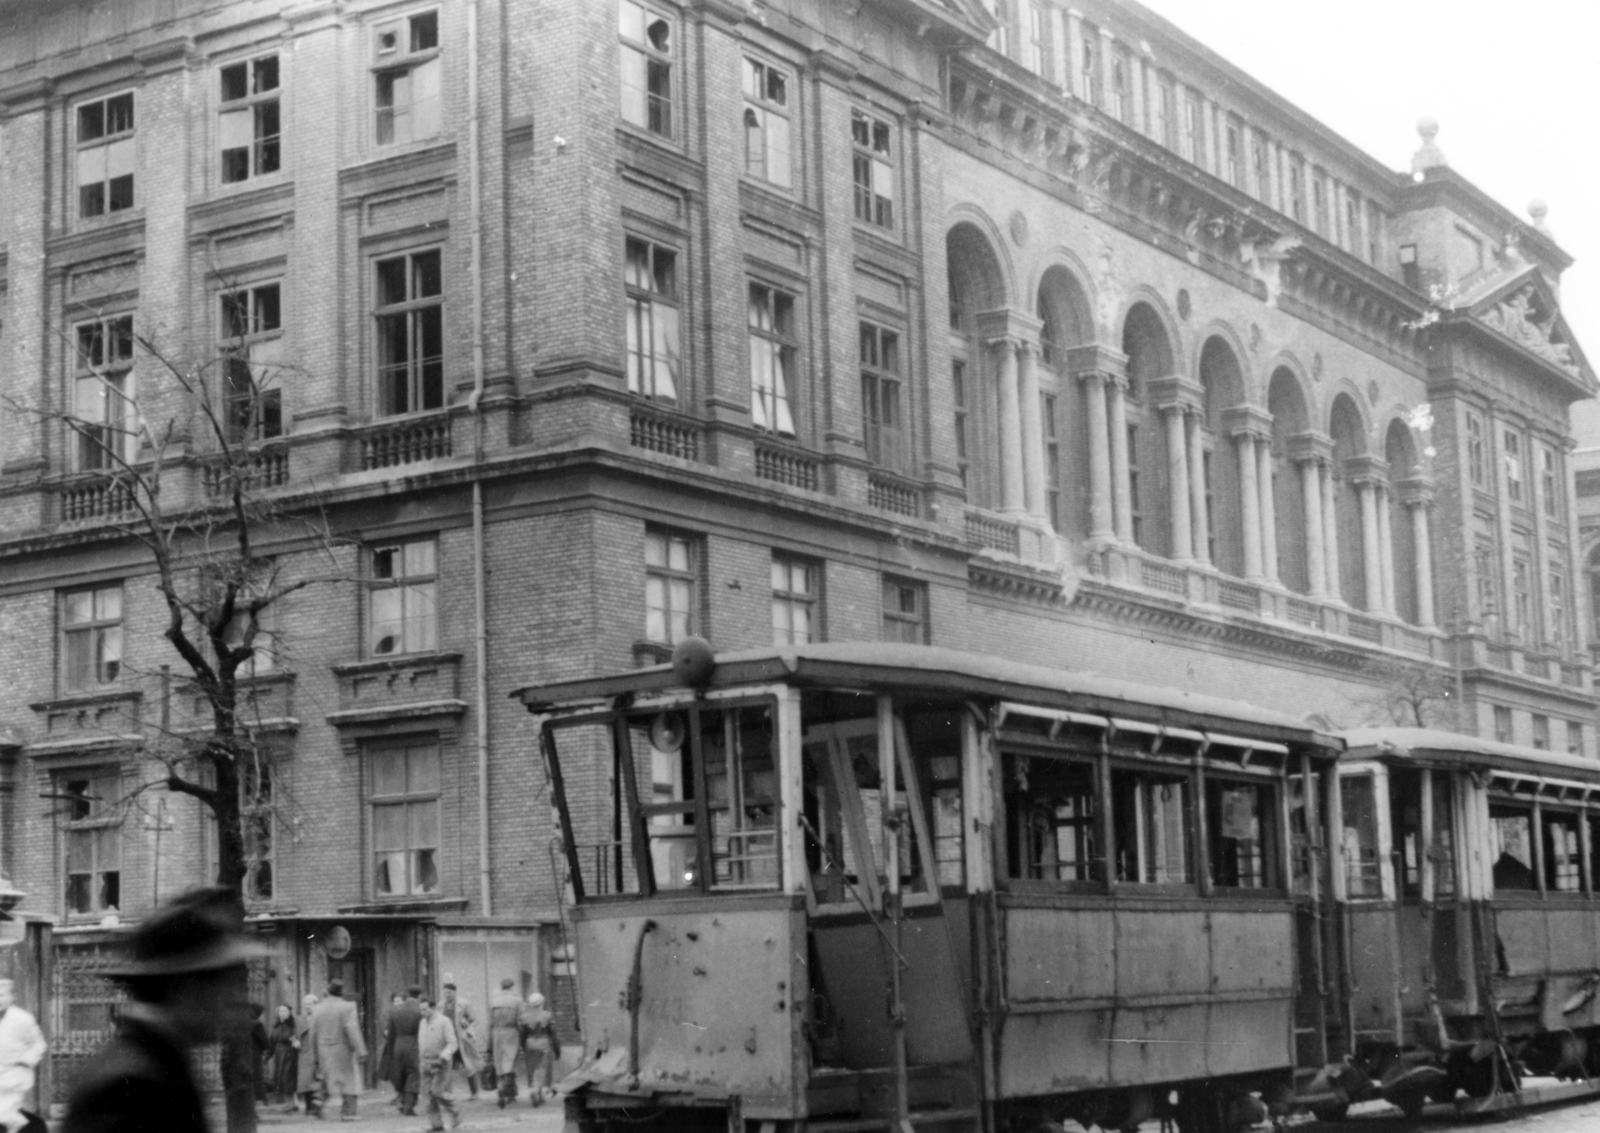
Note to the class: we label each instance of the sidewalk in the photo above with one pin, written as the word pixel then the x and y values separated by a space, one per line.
pixel 378 1116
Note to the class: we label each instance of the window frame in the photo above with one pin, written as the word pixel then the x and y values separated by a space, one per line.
pixel 869 166
pixel 1511 448
pixel 424 583
pixel 262 149
pixel 773 343
pixel 1269 796
pixel 1550 481
pixel 1504 807
pixel 659 110
pixel 1477 467
pixel 92 824
pixel 1023 867
pixel 237 341
pixel 113 383
pixel 759 111
pixel 100 631
pixel 787 599
pixel 666 574
pixel 900 616
pixel 405 800
pixel 407 64
pixel 413 310
pixel 884 395
pixel 646 307
pixel 107 141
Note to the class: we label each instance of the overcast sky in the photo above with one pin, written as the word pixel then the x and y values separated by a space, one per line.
pixel 1515 89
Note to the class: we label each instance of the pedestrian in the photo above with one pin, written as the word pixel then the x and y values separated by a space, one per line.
pixel 185 981
pixel 285 1056
pixel 540 1047
pixel 436 1047
pixel 465 1023
pixel 336 1030
pixel 505 1039
pixel 308 1076
pixel 405 1072
pixel 22 1046
pixel 386 1050
pixel 260 1047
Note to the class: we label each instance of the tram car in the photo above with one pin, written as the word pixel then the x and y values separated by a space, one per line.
pixel 1468 911
pixel 847 887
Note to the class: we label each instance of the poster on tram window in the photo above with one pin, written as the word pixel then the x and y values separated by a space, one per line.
pixel 1238 813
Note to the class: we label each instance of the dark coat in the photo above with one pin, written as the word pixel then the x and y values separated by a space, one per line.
pixel 404 1069
pixel 138 1083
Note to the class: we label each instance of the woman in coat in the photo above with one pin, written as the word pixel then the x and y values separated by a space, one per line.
pixel 539 1041
pixel 308 1082
pixel 505 1039
pixel 285 1057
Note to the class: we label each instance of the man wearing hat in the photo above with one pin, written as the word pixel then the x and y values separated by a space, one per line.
pixel 505 1039
pixel 336 1034
pixel 185 985
pixel 459 1012
pixel 405 1071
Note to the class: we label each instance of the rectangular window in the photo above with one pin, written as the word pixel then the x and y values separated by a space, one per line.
pixel 873 169
pixel 1153 820
pixel 1352 222
pixel 1235 152
pixel 1574 738
pixel 1487 566
pixel 1550 481
pixel 1374 232
pixel 1410 269
pixel 1541 731
pixel 794 601
pixel 1000 38
pixel 91 834
pixel 106 155
pixel 1362 863
pixel 1502 723
pixel 773 347
pixel 252 350
pixel 1164 124
pixel 407 80
pixel 648 55
pixel 103 416
pixel 767 146
pixel 1241 825
pixel 1052 810
pixel 1135 509
pixel 1563 870
pixel 1319 203
pixel 882 414
pixel 1512 847
pixel 1521 604
pixel 1121 86
pixel 1052 460
pixel 671 586
pixel 1089 65
pixel 248 119
pixel 1556 611
pixel 1036 40
pixel 905 611
pixel 1258 166
pixel 651 281
pixel 958 384
pixel 1297 188
pixel 258 815
pixel 91 637
pixel 409 313
pixel 1191 128
pixel 1476 466
pixel 263 645
pixel 402 598
pixel 404 797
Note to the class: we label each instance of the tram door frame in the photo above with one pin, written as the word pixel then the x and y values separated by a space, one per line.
pixel 1365 916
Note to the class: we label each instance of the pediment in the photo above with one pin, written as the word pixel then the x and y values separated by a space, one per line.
pixel 1523 308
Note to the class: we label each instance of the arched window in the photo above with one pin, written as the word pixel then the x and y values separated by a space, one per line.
pixel 1224 386
pixel 1349 441
pixel 1144 341
pixel 1064 314
pixel 1286 402
pixel 976 285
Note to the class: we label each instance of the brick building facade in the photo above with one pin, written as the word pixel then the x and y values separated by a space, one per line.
pixel 1025 329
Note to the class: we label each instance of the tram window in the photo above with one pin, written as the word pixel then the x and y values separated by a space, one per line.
pixel 1050 809
pixel 1594 852
pixel 1362 867
pixel 1153 823
pixel 1513 847
pixel 670 815
pixel 1240 822
pixel 741 797
pixel 1444 837
pixel 1302 860
pixel 935 738
pixel 1562 871
pixel 1405 810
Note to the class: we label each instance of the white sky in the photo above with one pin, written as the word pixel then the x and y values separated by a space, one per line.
pixel 1515 89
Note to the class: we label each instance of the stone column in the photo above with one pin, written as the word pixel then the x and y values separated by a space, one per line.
pixel 1371 562
pixel 1269 509
pixel 1094 391
pixel 1423 561
pixel 1244 446
pixel 1031 422
pixel 1389 605
pixel 1121 492
pixel 1310 469
pixel 1178 483
pixel 1011 459
pixel 1197 486
pixel 1330 529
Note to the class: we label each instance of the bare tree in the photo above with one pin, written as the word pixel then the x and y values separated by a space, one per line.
pixel 1411 695
pixel 217 588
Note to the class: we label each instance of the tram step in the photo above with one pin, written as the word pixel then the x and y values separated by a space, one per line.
pixel 919 1117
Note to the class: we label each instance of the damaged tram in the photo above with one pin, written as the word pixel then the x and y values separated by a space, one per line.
pixel 856 886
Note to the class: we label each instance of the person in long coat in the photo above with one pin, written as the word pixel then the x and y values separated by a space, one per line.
pixel 285 1056
pixel 336 1030
pixel 386 1051
pixel 459 1012
pixel 405 1072
pixel 540 1046
pixel 505 1039
pixel 308 1077
pixel 260 1048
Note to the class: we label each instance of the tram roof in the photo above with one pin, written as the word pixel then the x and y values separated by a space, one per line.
pixel 896 667
pixel 1435 745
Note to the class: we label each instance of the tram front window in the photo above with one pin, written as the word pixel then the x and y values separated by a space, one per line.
pixel 1513 847
pixel 1362 865
pixel 1152 823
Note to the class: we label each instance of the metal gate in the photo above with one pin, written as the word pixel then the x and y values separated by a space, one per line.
pixel 83 1003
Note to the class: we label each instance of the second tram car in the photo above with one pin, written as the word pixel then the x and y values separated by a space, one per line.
pixel 847 887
